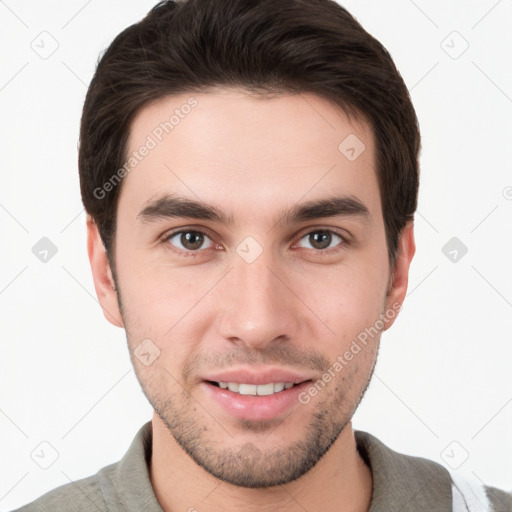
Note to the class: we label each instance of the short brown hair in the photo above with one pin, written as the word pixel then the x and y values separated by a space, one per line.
pixel 267 47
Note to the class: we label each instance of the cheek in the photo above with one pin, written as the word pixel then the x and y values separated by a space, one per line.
pixel 342 386
pixel 347 299
pixel 156 294
pixel 169 307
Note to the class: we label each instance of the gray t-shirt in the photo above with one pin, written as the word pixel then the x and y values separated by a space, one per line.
pixel 400 483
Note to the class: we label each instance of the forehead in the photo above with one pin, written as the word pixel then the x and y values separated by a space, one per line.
pixel 249 154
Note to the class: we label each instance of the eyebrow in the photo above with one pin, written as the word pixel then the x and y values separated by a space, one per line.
pixel 174 206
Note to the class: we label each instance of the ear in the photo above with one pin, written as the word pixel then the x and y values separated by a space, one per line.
pixel 102 275
pixel 399 279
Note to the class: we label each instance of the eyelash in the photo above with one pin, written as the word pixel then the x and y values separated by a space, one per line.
pixel 194 253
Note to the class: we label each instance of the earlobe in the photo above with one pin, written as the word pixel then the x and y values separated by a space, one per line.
pixel 102 275
pixel 400 277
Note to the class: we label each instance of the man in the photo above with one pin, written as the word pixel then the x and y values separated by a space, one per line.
pixel 250 172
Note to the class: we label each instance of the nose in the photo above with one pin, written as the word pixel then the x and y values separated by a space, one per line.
pixel 257 307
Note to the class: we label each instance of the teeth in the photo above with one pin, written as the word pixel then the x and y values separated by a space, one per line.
pixel 267 389
pixel 254 389
pixel 278 387
pixel 247 389
pixel 233 386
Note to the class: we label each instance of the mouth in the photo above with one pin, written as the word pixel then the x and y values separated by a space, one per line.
pixel 260 402
pixel 255 389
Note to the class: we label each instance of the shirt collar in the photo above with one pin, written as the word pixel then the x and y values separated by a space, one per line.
pixel 403 482
pixel 133 481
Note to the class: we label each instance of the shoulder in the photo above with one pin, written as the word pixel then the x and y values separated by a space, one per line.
pixel 471 495
pixel 421 484
pixel 125 481
pixel 500 500
pixel 81 495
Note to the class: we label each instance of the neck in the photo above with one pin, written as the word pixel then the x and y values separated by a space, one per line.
pixel 340 477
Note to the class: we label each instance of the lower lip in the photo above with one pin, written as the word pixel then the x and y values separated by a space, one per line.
pixel 251 407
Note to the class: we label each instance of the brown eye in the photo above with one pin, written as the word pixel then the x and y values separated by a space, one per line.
pixel 189 240
pixel 322 239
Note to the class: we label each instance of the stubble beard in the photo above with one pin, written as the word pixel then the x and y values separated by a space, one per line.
pixel 248 465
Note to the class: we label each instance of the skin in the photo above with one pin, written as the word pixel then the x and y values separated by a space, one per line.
pixel 297 306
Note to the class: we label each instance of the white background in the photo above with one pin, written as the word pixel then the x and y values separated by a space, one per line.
pixel 444 370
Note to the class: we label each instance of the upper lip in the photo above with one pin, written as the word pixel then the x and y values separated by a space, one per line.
pixel 254 376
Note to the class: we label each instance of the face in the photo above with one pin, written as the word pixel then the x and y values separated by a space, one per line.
pixel 271 278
